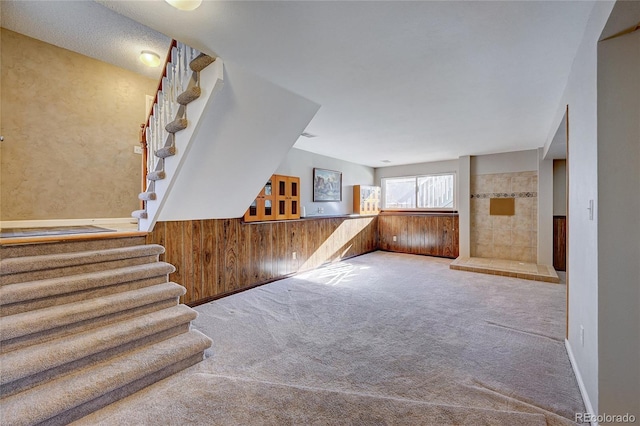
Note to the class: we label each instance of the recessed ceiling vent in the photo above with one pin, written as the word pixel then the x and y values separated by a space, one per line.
pixel 308 135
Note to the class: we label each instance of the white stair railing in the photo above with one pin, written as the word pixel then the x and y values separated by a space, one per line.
pixel 165 109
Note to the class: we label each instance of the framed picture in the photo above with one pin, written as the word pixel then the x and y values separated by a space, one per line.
pixel 327 185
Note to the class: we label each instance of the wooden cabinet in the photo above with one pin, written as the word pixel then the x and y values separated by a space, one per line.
pixel 366 199
pixel 278 200
pixel 263 207
pixel 287 197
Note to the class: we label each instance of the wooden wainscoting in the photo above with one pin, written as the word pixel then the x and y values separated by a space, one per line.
pixel 217 257
pixel 560 243
pixel 433 234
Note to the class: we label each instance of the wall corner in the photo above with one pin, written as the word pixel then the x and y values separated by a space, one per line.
pixel 464 205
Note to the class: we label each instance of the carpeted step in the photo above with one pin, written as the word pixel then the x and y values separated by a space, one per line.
pixel 32 292
pixel 176 125
pixel 18 308
pixel 167 151
pixel 29 268
pixel 139 214
pixel 38 249
pixel 201 62
pixel 70 397
pixel 34 327
pixel 37 364
pixel 147 196
pixel 189 95
pixel 157 175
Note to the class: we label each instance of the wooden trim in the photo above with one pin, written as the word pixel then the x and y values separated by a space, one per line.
pixel 560 243
pixel 310 217
pixel 419 213
pixel 74 237
pixel 145 152
pixel 40 223
pixel 567 226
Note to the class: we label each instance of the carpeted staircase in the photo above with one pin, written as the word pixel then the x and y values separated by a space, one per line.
pixel 85 323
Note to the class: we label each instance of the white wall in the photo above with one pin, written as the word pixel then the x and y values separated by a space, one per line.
pixel 545 209
pixel 619 222
pixel 464 206
pixel 244 133
pixel 505 162
pixel 417 169
pixel 559 187
pixel 301 163
pixel 582 263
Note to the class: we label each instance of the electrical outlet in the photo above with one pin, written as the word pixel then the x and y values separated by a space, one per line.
pixel 137 150
pixel 294 255
pixel 582 336
pixel 395 238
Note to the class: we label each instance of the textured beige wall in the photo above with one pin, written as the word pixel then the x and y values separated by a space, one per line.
pixel 505 237
pixel 70 124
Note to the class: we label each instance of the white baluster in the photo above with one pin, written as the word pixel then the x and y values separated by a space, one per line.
pixel 161 122
pixel 178 66
pixel 172 91
pixel 185 65
pixel 165 96
pixel 156 124
pixel 149 139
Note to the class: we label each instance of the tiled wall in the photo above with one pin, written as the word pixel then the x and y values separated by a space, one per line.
pixel 505 237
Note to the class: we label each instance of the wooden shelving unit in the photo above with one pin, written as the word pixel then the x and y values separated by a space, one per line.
pixel 278 200
pixel 366 199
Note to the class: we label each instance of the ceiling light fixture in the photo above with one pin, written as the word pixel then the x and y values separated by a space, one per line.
pixel 385 161
pixel 307 135
pixel 149 58
pixel 185 4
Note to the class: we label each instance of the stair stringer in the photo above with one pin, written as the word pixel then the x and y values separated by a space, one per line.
pixel 211 82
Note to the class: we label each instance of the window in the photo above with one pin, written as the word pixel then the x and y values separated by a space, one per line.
pixel 420 192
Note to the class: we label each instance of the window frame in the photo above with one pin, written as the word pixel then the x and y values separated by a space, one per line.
pixel 420 209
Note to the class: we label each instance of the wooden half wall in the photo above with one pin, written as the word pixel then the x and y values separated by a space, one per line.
pixel 217 257
pixel 432 234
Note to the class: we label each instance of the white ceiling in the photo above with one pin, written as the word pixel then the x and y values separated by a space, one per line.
pixel 404 81
pixel 87 28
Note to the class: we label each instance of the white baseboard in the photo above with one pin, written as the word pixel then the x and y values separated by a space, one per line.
pixel 8 224
pixel 581 386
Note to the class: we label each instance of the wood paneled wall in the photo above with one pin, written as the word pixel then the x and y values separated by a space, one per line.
pixel 560 243
pixel 221 256
pixel 433 234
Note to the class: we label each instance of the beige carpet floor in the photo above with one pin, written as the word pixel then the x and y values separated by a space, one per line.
pixel 383 338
